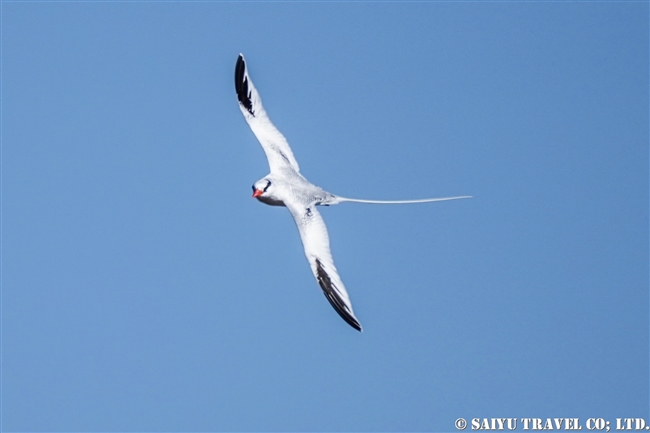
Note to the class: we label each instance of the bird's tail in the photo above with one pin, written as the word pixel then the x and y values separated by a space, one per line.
pixel 338 200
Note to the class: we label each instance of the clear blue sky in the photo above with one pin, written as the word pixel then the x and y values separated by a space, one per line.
pixel 144 289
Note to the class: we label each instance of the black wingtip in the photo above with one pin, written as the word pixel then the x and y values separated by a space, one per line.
pixel 241 84
pixel 325 282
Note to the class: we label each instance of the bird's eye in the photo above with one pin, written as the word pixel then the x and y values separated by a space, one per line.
pixel 267 185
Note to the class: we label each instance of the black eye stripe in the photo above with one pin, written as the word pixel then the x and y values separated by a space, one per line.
pixel 267 185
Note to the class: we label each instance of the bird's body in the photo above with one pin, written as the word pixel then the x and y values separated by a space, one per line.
pixel 285 186
pixel 289 187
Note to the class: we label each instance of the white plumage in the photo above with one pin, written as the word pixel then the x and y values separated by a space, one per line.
pixel 285 186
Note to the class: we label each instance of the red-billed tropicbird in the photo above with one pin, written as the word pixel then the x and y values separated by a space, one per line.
pixel 285 186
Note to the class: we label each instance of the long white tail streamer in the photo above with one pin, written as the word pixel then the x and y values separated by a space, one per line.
pixel 424 200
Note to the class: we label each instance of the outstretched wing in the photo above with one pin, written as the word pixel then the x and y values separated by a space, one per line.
pixel 316 243
pixel 273 142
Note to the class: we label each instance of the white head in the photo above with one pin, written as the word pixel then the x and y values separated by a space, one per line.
pixel 261 187
pixel 265 191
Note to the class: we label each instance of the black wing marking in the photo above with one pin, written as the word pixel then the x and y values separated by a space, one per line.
pixel 325 282
pixel 241 85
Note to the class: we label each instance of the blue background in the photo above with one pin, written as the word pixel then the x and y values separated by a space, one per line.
pixel 143 289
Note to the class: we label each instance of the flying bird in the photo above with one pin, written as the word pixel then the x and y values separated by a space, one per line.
pixel 285 186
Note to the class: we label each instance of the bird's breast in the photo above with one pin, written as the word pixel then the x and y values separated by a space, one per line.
pixel 271 201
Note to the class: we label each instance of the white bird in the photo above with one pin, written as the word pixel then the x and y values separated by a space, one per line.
pixel 285 186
